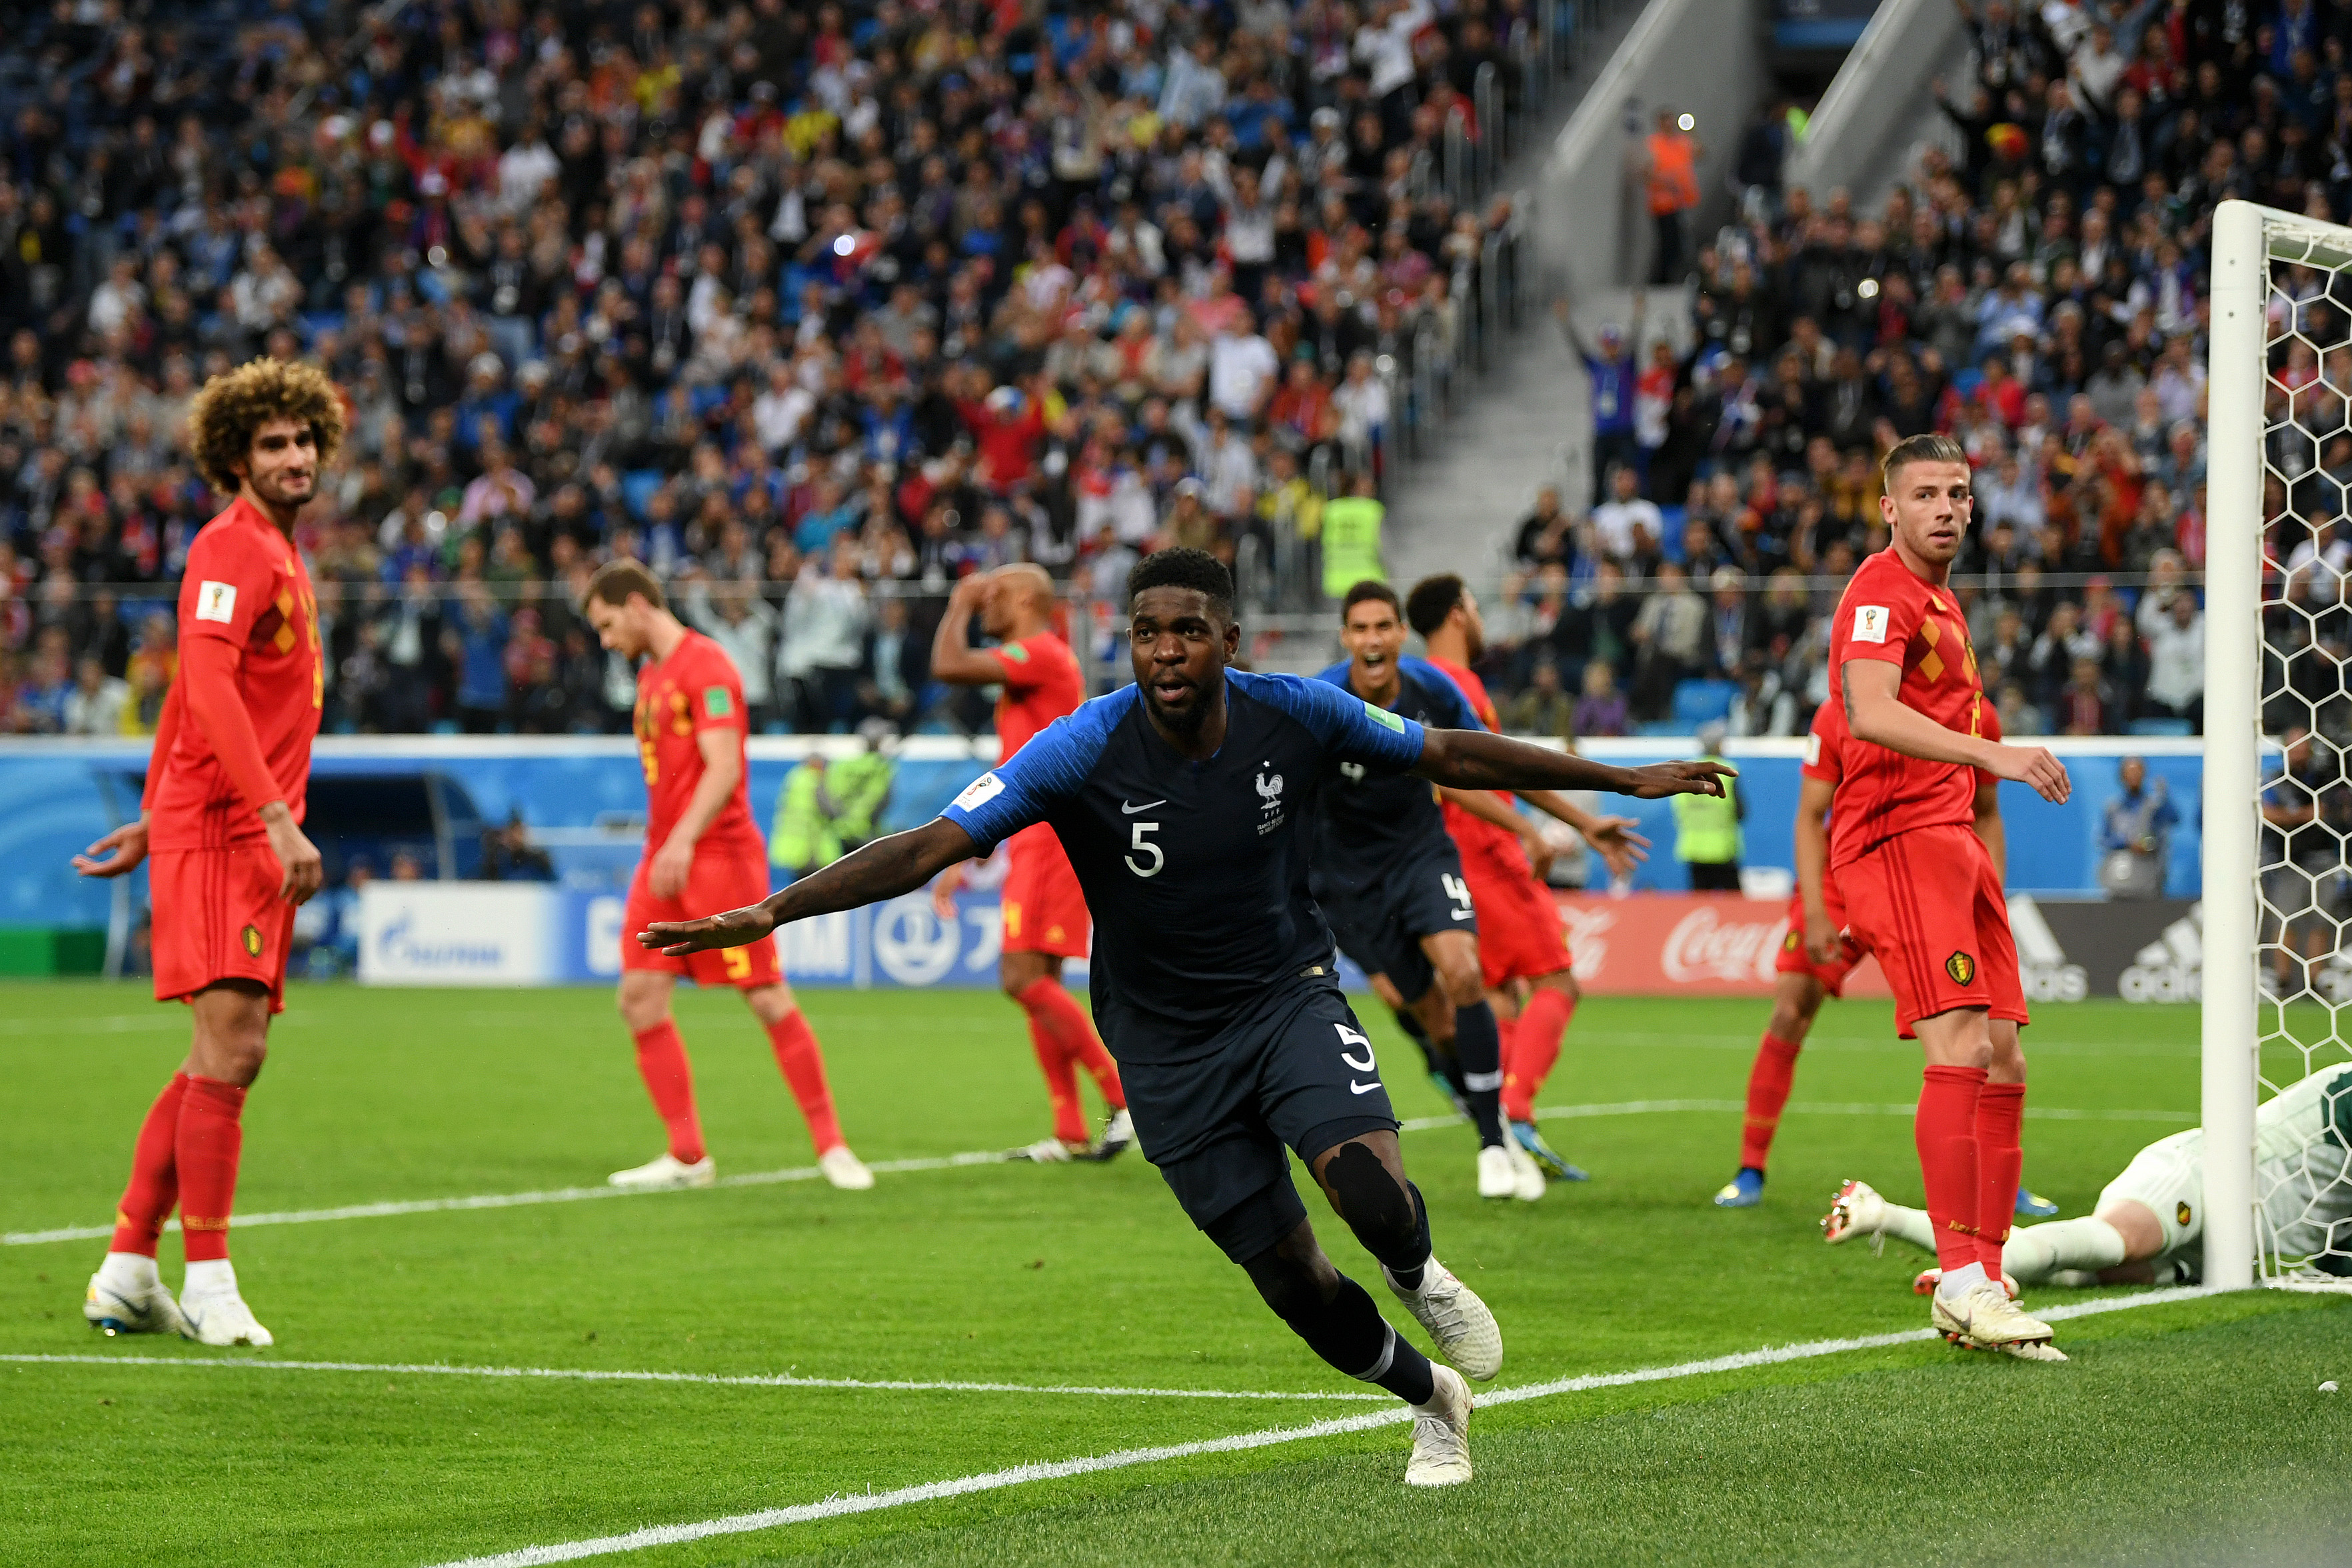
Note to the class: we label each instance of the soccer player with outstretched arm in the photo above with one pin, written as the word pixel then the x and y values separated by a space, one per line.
pixel 220 827
pixel 1922 891
pixel 1523 954
pixel 1185 802
pixel 702 848
pixel 1043 909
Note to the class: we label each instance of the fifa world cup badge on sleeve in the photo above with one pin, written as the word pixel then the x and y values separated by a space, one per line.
pixel 1870 624
pixel 979 792
pixel 217 602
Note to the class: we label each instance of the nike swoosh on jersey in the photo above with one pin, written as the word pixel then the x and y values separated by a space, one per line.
pixel 1363 1088
pixel 1127 810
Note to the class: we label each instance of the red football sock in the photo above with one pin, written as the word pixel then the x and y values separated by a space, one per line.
pixel 154 1175
pixel 1945 1130
pixel 661 1062
pixel 804 1067
pixel 1051 1007
pixel 209 1142
pixel 1061 1077
pixel 1543 1023
pixel 1768 1091
pixel 2000 1161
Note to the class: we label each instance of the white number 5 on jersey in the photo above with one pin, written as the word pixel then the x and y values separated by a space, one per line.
pixel 1144 846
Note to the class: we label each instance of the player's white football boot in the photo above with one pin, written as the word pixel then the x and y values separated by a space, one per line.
pixel 1930 1278
pixel 1441 1433
pixel 1986 1319
pixel 1464 1330
pixel 665 1172
pixel 117 1307
pixel 1528 1183
pixel 1857 1210
pixel 1117 1134
pixel 1498 1173
pixel 843 1169
pixel 217 1314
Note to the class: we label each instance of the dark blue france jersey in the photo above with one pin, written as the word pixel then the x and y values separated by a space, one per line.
pixel 1195 872
pixel 1367 821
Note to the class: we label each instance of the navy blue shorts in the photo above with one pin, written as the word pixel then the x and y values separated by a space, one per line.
pixel 1293 1071
pixel 1381 928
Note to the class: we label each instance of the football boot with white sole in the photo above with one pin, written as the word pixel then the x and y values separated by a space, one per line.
pixel 1984 1318
pixel 1555 1164
pixel 1498 1173
pixel 114 1308
pixel 1441 1433
pixel 1459 1322
pixel 665 1172
pixel 843 1169
pixel 222 1318
pixel 1857 1210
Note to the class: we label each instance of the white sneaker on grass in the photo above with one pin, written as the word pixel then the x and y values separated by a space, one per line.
pixel 120 1301
pixel 1528 1177
pixel 843 1169
pixel 1464 1330
pixel 1498 1175
pixel 665 1172
pixel 1984 1318
pixel 1441 1433
pixel 215 1312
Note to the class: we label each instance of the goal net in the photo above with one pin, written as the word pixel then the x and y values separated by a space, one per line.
pixel 2278 780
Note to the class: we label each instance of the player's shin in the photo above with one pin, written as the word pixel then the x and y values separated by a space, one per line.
pixel 1061 1077
pixel 1339 1321
pixel 1542 1025
pixel 2000 1160
pixel 669 1081
pixel 1479 1047
pixel 1945 1132
pixel 154 1185
pixel 1768 1082
pixel 210 1140
pixel 2038 1251
pixel 802 1065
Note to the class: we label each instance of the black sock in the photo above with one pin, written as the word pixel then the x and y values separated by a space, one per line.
pixel 1440 1061
pixel 1479 1047
pixel 1348 1332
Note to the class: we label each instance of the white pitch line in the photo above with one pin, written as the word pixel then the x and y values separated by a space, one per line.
pixel 838 1506
pixel 709 1379
pixel 989 1157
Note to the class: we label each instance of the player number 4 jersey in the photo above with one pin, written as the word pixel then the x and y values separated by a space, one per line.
pixel 246 585
pixel 1888 615
pixel 695 690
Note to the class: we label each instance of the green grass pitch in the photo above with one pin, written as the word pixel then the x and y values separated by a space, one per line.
pixel 2185 1432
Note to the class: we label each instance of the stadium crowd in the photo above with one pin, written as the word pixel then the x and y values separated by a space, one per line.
pixel 813 306
pixel 817 308
pixel 2042 296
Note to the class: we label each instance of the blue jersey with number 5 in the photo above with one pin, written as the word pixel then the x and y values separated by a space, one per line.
pixel 1195 872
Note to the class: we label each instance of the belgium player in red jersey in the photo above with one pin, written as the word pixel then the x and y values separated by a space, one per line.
pixel 220 827
pixel 701 847
pixel 1522 942
pixel 1045 915
pixel 1921 891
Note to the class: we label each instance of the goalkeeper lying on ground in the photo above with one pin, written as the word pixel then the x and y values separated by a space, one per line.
pixel 2150 1225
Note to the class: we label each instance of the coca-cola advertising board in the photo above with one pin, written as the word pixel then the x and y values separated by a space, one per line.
pixel 1691 945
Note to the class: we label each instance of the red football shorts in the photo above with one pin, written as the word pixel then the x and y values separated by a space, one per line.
pixel 1044 910
pixel 1928 902
pixel 1520 933
pixel 1794 960
pixel 724 877
pixel 217 917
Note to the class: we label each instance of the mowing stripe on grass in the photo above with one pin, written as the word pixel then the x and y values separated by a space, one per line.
pixel 1021 1475
pixel 995 1157
pixel 717 1380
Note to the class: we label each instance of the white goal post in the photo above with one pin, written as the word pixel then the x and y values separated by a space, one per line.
pixel 2277 944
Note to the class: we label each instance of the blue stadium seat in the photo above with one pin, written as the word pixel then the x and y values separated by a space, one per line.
pixel 2161 726
pixel 1702 702
pixel 637 487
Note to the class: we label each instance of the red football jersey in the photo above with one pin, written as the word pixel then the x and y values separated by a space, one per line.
pixel 1041 683
pixel 247 586
pixel 1890 616
pixel 1475 835
pixel 696 689
pixel 1822 739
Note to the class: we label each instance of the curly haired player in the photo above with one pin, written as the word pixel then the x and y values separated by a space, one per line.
pixel 220 827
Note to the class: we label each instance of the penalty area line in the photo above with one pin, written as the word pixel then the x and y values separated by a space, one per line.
pixel 706 1379
pixel 844 1504
pixel 994 1157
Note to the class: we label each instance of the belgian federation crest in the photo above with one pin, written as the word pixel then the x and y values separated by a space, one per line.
pixel 1961 966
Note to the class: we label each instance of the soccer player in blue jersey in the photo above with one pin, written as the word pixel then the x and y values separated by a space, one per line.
pixel 1388 879
pixel 1185 802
